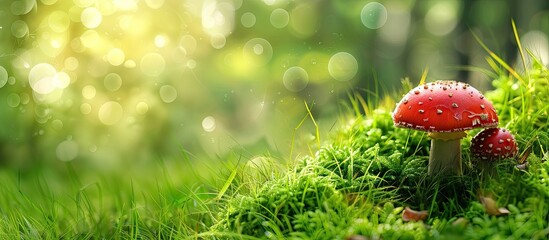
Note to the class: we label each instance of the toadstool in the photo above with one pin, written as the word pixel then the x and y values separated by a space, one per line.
pixel 492 144
pixel 445 109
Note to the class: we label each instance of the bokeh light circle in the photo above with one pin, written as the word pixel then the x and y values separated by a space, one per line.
pixel 19 29
pixel 110 113
pixel 71 63
pixel 442 18
pixel 258 51
pixel 57 125
pixel 142 108
pixel 112 82
pixel 191 64
pixel 13 100
pixel 160 40
pixel 168 93
pixel 88 92
pixel 3 76
pixel 279 18
pixel 152 64
pixel 188 43
pixel 373 15
pixel 59 21
pixel 218 41
pixel 48 2
pixel 304 21
pixel 91 17
pixel 41 78
pixel 248 19
pixel 83 3
pixel 85 108
pixel 90 39
pixel 342 66
pixel 208 124
pixel 116 56
pixel 21 7
pixel 61 80
pixel 295 79
pixel 67 150
pixel 155 4
pixel 25 98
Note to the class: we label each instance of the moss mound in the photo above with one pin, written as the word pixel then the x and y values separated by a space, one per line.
pixel 358 184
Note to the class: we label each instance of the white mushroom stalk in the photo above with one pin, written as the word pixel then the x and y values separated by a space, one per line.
pixel 445 109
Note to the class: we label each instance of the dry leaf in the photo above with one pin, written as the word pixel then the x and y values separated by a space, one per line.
pixel 412 215
pixel 460 222
pixel 356 237
pixel 523 166
pixel 491 207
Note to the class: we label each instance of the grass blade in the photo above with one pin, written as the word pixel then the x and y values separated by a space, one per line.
pixel 227 183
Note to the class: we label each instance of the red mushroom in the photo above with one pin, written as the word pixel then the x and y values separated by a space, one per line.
pixel 445 109
pixel 493 144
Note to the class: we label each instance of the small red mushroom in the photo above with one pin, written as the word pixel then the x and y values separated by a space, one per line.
pixel 493 144
pixel 445 109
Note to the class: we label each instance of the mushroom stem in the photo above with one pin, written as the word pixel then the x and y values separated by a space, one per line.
pixel 445 156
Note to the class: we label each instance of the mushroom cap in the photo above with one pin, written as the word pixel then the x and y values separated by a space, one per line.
pixel 444 106
pixel 493 144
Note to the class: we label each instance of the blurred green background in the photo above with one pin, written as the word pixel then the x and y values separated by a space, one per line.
pixel 108 84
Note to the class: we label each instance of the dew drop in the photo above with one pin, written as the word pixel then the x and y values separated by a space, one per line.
pixel 295 79
pixel 342 66
pixel 110 113
pixel 168 93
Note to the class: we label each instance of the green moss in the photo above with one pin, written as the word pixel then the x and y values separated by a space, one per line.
pixel 359 182
pixel 276 206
